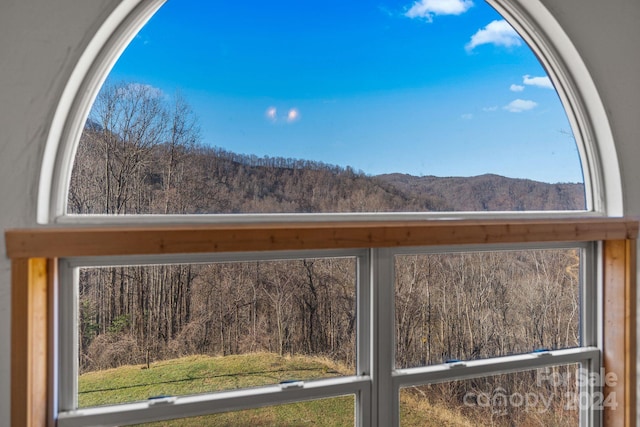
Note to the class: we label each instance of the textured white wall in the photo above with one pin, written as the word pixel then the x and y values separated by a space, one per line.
pixel 607 35
pixel 42 40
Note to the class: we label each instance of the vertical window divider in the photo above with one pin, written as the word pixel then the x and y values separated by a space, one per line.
pixel 364 337
pixel 588 416
pixel 591 330
pixel 591 295
pixel 386 405
pixel 67 334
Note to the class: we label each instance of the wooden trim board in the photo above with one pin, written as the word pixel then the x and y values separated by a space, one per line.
pixel 154 240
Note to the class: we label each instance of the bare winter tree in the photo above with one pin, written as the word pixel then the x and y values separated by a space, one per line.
pixel 132 157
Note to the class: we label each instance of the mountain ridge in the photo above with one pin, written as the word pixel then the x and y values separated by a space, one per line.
pixel 491 192
pixel 196 179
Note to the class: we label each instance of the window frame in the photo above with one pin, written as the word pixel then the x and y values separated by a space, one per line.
pixel 212 402
pixel 375 287
pixel 536 25
pixel 587 354
pixel 34 254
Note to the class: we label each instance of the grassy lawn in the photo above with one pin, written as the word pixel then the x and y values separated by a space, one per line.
pixel 202 374
pixel 198 374
pixel 334 412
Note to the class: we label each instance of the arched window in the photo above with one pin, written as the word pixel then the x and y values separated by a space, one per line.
pixel 418 107
pixel 535 136
pixel 333 320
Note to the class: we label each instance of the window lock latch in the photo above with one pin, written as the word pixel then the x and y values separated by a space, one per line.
pixel 162 400
pixel 285 385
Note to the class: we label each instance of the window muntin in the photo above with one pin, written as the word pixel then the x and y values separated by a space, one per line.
pixel 471 305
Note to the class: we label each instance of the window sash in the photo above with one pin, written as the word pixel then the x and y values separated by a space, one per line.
pixel 377 383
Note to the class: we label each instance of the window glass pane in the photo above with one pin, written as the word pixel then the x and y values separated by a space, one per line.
pixel 333 412
pixel 547 397
pixel 146 331
pixel 332 107
pixel 473 305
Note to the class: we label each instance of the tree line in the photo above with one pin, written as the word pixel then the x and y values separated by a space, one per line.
pixel 141 314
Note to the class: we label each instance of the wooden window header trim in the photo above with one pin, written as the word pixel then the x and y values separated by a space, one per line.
pixel 174 239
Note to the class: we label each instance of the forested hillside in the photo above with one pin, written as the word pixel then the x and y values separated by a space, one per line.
pixel 491 192
pixel 112 176
pixel 199 179
pixel 138 155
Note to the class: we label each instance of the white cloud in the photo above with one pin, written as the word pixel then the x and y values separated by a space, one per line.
pixel 516 88
pixel 467 116
pixel 520 105
pixel 498 33
pixel 543 82
pixel 490 109
pixel 427 9
pixel 271 114
pixel 293 115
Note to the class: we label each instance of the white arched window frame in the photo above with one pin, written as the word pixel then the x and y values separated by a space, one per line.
pixel 593 138
pixel 532 20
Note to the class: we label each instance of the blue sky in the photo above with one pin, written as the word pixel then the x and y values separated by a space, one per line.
pixel 428 87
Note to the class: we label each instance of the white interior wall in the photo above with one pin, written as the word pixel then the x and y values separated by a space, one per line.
pixel 606 34
pixel 42 40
